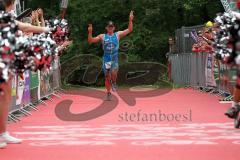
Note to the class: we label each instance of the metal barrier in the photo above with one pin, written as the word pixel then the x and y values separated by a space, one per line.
pixel 188 69
pixel 201 70
pixel 33 88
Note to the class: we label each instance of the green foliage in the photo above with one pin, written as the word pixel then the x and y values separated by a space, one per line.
pixel 155 21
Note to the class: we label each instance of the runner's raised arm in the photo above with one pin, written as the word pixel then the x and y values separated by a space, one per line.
pixel 92 39
pixel 122 34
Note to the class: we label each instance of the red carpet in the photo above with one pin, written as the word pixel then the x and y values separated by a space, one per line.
pixel 200 131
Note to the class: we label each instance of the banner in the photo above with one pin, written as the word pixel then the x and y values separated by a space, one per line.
pixel 35 86
pixel 23 89
pixel 14 86
pixel 20 90
pixel 209 72
pixel 14 89
pixel 26 93
pixel 34 78
pixel 232 4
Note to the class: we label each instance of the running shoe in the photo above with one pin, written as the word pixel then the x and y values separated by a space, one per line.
pixel 114 87
pixel 232 112
pixel 109 97
pixel 5 137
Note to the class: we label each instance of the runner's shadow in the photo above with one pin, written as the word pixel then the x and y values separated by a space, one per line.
pixel 62 109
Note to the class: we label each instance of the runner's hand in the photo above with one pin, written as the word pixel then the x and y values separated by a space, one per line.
pixel 131 16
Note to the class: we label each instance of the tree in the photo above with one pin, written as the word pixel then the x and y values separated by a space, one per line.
pixel 155 21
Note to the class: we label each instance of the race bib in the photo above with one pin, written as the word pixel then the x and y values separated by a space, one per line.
pixel 108 65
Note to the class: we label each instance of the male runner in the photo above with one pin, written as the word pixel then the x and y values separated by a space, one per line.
pixel 110 42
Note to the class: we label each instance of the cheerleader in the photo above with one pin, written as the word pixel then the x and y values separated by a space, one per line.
pixel 6 87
